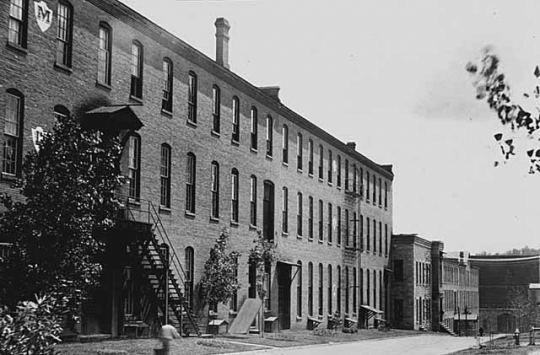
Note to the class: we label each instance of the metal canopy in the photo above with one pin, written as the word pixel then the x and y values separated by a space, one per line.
pixel 111 118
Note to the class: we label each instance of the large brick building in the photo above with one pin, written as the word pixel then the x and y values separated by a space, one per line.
pixel 214 152
pixel 431 290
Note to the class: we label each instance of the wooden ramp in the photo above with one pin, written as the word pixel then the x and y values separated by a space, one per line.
pixel 246 316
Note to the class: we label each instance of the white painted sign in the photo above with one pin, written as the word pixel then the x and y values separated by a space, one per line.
pixel 44 15
pixel 37 137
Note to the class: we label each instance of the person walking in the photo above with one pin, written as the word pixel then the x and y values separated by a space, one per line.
pixel 166 335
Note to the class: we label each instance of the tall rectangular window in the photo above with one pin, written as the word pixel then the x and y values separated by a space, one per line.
pixel 347 231
pixel 299 216
pixel 329 223
pixel 299 152
pixel 299 295
pixel 374 236
pixel 310 157
pixel 216 109
pixel 380 238
pixel 190 182
pixel 236 120
pixel 380 193
pixel 167 100
pixel 136 70
pixel 269 136
pixel 330 166
pixel 339 171
pixel 355 231
pixel 253 202
pixel 192 97
pixel 104 55
pixel 285 211
pixel 355 179
pixel 368 235
pixel 330 291
pixel 338 293
pixel 18 22
pixel 234 195
pixel 11 161
pixel 320 289
pixel 346 175
pixel 321 161
pixel 362 232
pixel 310 218
pixel 321 237
pixel 165 173
pixel 310 289
pixel 64 38
pixel 361 182
pixel 254 128
pixel 354 288
pixel 285 136
pixel 386 240
pixel 347 301
pixel 367 186
pixel 134 167
pixel 374 189
pixel 338 232
pixel 214 189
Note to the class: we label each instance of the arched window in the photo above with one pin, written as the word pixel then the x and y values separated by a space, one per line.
pixel 216 109
pixel 234 195
pixel 253 201
pixel 254 128
pixel 192 97
pixel 104 54
pixel 299 152
pixel 191 182
pixel 269 135
pixel 299 215
pixel 64 33
pixel 321 161
pixel 236 119
pixel 60 112
pixel 330 167
pixel 167 100
pixel 136 69
pixel 339 171
pixel 214 189
pixel 285 210
pixel 330 227
pixel 165 174
pixel 285 150
pixel 134 166
pixel 13 128
pixel 18 22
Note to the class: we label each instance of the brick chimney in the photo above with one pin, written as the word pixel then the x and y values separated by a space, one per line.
pixel 222 42
pixel 272 91
pixel 351 145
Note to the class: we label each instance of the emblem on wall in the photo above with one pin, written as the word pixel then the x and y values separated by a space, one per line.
pixel 37 137
pixel 44 15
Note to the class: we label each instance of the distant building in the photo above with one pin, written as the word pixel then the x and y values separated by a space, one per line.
pixel 501 278
pixel 429 290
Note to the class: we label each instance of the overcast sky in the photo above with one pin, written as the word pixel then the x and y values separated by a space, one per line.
pixel 389 75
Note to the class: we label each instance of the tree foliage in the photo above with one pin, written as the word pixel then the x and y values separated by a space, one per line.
pixel 261 255
pixel 491 86
pixel 68 189
pixel 220 281
pixel 33 329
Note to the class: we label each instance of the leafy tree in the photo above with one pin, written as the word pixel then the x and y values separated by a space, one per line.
pixel 521 306
pixel 219 281
pixel 68 189
pixel 261 256
pixel 491 86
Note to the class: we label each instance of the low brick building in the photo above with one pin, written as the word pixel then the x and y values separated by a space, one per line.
pixel 214 152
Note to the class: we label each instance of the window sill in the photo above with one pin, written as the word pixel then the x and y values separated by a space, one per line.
pixel 62 68
pixel 191 123
pixel 136 99
pixel 166 113
pixel 253 150
pixel 252 227
pixel 310 175
pixel 269 156
pixel 235 224
pixel 298 319
pixel 330 183
pixel 330 243
pixel 214 219
pixel 300 170
pixel 17 48
pixel 285 164
pixel 103 86
pixel 310 239
pixel 215 134
pixel 9 177
pixel 339 187
pixel 164 209
pixel 299 237
pixel 338 245
pixel 320 241
pixel 190 215
pixel 284 234
pixel 134 201
pixel 235 143
pixel 321 179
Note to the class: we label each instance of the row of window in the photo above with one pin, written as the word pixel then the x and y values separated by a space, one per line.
pixel 422 274
pixel 423 310
pixel 18 28
pixel 345 287
pixel 460 299
pixel 455 275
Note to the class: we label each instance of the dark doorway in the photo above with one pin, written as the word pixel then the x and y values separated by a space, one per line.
pixel 252 278
pixel 284 295
pixel 268 211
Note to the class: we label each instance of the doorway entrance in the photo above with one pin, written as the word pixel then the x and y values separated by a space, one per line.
pixel 284 295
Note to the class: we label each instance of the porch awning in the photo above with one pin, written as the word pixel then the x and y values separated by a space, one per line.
pixel 371 309
pixel 111 117
pixel 468 317
pixel 287 262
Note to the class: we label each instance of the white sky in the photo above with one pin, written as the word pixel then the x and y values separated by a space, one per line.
pixel 389 74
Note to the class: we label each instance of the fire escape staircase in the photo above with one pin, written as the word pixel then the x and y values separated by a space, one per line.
pixel 165 276
pixel 448 330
